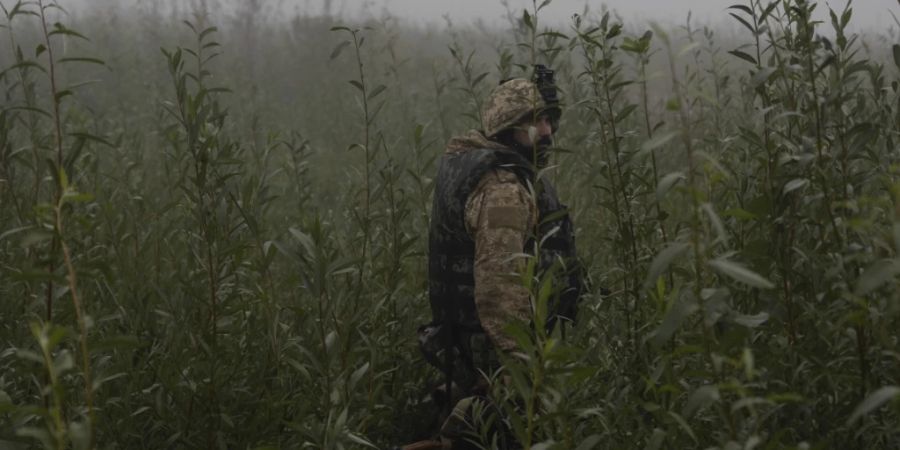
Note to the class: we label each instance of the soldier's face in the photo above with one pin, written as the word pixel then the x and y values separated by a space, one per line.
pixel 535 134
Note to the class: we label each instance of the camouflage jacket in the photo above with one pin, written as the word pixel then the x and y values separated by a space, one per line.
pixel 485 219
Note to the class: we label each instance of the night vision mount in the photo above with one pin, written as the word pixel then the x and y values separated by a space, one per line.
pixel 543 78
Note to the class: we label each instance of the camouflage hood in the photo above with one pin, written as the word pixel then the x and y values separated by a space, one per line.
pixel 470 140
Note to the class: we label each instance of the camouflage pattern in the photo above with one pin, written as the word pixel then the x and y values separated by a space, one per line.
pixel 488 210
pixel 451 247
pixel 510 103
pixel 500 215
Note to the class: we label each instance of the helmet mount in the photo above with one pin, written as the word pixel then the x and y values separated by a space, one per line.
pixel 518 99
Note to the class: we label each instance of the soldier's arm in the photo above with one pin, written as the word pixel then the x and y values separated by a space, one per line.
pixel 499 216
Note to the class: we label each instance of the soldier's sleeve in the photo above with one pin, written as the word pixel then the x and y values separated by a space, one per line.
pixel 499 216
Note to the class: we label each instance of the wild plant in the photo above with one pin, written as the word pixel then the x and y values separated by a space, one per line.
pixel 240 279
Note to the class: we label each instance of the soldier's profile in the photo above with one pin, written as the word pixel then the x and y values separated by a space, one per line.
pixel 491 206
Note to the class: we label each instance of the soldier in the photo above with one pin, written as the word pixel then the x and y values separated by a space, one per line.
pixel 490 207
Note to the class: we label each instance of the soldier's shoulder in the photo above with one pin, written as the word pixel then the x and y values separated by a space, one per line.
pixel 500 176
pixel 500 186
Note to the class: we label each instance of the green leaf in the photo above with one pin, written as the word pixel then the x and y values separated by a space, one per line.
pixel 360 440
pixel 684 426
pixel 876 275
pixel 662 261
pixel 553 34
pixel 39 434
pixel 874 401
pixel 19 9
pixel 722 235
pixel 673 104
pixel 101 381
pixel 656 440
pixel 738 213
pixel 700 399
pixel 761 76
pixel 625 112
pixel 795 184
pixel 666 183
pixel 682 309
pixel 358 374
pixel 23 65
pixel 13 231
pixel 740 273
pixel 5 399
pixel 338 49
pixel 896 49
pixel 658 141
pixel 29 109
pixel 77 197
pixel 91 137
pixel 743 8
pixel 206 32
pixel 751 321
pixel 82 59
pixel 63 179
pixel 743 22
pixel 589 442
pixel 378 89
pixel 743 56
pixel 771 7
pixel 60 29
pixel 63 93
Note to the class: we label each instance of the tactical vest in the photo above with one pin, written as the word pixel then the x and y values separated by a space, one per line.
pixel 452 250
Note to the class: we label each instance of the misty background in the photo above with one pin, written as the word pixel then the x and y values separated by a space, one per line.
pixel 279 62
pixel 870 15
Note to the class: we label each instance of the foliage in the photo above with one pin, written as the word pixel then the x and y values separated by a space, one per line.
pixel 221 245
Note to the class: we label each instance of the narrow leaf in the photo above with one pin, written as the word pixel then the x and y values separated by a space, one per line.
pixel 743 56
pixel 684 425
pixel 338 49
pixel 761 77
pixel 666 183
pixel 589 442
pixel 740 273
pixel 896 49
pixel 751 321
pixel 874 401
pixel 675 317
pixel 743 22
pixel 700 399
pixel 795 184
pixel 743 8
pixel 877 275
pixel 82 59
pixel 378 89
pixel 658 141
pixel 662 261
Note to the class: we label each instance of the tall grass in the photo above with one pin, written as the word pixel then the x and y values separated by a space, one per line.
pixel 228 235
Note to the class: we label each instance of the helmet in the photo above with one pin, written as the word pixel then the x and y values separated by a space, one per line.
pixel 512 102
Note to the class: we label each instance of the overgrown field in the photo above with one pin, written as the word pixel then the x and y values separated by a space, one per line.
pixel 222 244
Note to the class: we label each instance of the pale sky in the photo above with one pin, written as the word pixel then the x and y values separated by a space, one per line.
pixel 866 13
pixel 871 15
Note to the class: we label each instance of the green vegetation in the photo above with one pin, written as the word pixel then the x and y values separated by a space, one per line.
pixel 222 245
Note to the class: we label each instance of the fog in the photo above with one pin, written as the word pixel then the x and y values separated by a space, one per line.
pixel 870 15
